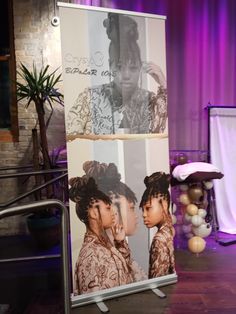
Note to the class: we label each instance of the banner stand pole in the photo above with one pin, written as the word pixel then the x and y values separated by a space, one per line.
pixel 159 293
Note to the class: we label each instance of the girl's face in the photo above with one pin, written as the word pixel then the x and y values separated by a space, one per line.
pixel 126 77
pixel 153 212
pixel 105 214
pixel 125 213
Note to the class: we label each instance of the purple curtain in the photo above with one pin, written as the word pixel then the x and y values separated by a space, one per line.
pixel 201 66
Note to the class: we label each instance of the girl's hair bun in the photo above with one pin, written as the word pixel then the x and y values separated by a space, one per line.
pixel 157 178
pixel 120 26
pixel 81 187
pixel 102 172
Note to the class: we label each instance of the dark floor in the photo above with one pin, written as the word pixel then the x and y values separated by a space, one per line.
pixel 206 284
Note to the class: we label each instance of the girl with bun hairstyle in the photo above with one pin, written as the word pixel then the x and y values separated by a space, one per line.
pixel 123 200
pixel 122 105
pixel 155 207
pixel 100 264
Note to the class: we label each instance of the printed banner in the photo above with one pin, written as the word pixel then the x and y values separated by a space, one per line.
pixel 114 75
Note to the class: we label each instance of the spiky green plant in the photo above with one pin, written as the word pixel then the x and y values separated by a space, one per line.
pixel 39 87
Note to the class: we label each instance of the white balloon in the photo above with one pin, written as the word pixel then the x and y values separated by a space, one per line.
pixel 183 187
pixel 174 219
pixel 208 185
pixel 187 218
pixel 202 212
pixel 196 220
pixel 203 231
pixel 174 208
pixel 187 228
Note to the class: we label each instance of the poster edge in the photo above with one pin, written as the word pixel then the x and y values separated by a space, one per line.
pixel 102 9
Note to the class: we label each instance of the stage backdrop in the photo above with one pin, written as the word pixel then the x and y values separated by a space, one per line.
pixel 114 75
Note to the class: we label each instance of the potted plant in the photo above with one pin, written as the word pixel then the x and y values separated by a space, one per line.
pixel 38 87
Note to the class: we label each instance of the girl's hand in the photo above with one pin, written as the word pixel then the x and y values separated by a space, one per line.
pixel 118 232
pixel 155 72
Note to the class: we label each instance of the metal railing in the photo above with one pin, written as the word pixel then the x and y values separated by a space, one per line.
pixel 39 205
pixel 5 211
pixel 37 188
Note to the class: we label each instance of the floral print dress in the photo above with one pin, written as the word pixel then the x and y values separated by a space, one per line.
pixel 101 266
pixel 99 110
pixel 161 258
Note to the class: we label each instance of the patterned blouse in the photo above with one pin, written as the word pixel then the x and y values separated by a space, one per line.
pixel 98 110
pixel 100 267
pixel 161 259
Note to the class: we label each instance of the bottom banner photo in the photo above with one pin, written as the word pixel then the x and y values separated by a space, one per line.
pixel 120 218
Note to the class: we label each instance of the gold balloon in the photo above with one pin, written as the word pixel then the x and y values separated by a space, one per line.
pixel 184 199
pixel 192 209
pixel 196 244
pixel 195 194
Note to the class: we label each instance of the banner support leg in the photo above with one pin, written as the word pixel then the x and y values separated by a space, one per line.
pixel 102 307
pixel 159 293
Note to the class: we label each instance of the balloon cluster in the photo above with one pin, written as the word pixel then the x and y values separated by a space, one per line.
pixel 192 201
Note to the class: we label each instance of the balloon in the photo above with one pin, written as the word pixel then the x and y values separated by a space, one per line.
pixel 195 194
pixel 202 212
pixel 179 219
pixel 174 219
pixel 189 235
pixel 192 209
pixel 187 228
pixel 174 208
pixel 196 244
pixel 184 199
pixel 187 218
pixel 183 187
pixel 197 220
pixel 178 229
pixel 208 185
pixel 203 231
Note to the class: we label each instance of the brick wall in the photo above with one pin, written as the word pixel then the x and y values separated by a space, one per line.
pixel 36 40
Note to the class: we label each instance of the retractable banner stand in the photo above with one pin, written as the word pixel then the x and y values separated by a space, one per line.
pixel 114 76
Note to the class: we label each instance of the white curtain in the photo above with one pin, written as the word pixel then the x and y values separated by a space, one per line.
pixel 223 155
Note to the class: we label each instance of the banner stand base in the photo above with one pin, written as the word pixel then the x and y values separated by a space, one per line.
pixel 102 307
pixel 159 293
